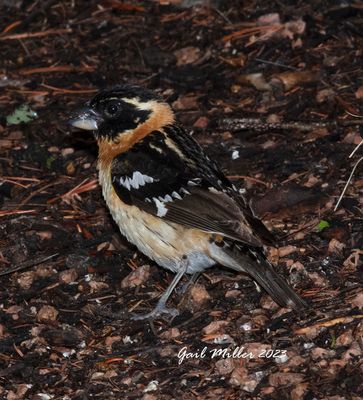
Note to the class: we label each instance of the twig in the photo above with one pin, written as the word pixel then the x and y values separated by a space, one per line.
pixel 33 12
pixel 293 177
pixel 276 64
pixel 10 27
pixel 239 124
pixel 328 324
pixel 27 52
pixel 31 92
pixel 307 226
pixel 15 212
pixel 26 200
pixel 347 184
pixel 351 174
pixel 355 150
pixel 222 15
pixel 248 178
pixel 20 178
pixel 15 183
pixel 251 31
pixel 57 68
pixel 353 115
pixel 36 34
pixel 84 186
pixel 27 264
pixel 68 91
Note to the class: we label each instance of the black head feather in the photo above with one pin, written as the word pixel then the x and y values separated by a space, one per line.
pixel 128 92
pixel 117 110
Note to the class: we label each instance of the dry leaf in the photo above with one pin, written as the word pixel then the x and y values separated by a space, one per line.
pixel 290 79
pixel 214 327
pixel 137 277
pixel 359 92
pixel 68 276
pixel 47 314
pixel 171 333
pixel 257 80
pixel 335 246
pixel 199 295
pixel 285 378
pixel 187 55
pixel 201 123
pixel 225 366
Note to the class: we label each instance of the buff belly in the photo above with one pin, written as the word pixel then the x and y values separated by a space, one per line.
pixel 164 242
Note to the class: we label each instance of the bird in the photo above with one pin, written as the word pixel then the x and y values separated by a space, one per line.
pixel 170 199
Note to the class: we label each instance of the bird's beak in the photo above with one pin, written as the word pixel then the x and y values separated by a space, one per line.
pixel 86 119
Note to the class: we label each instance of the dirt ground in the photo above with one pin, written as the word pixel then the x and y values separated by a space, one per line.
pixel 273 91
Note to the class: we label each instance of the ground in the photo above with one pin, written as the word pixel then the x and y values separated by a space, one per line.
pixel 70 281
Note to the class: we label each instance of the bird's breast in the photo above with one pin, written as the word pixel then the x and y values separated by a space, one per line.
pixel 164 242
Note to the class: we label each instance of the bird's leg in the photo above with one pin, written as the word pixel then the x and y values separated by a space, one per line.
pixel 186 286
pixel 161 306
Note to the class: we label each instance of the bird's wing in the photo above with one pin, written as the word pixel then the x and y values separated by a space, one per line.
pixel 168 175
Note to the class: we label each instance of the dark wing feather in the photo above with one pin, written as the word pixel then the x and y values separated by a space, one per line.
pixel 192 189
pixel 258 226
pixel 212 212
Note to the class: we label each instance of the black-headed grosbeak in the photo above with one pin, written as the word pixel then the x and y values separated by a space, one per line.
pixel 169 198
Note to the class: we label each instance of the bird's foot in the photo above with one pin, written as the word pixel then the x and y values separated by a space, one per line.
pixel 160 309
pixel 184 288
pixel 161 306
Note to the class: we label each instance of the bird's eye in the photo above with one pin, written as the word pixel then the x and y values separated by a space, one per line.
pixel 112 109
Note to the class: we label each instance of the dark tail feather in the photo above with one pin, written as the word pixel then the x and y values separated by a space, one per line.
pixel 255 264
pixel 266 276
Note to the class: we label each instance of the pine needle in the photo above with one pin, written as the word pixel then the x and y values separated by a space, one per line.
pixel 350 176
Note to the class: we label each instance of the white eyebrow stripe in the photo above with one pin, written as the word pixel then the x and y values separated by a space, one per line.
pixel 141 105
pixel 108 99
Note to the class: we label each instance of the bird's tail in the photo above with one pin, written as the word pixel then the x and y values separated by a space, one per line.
pixel 254 263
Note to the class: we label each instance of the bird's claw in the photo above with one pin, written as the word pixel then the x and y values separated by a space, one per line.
pixel 156 312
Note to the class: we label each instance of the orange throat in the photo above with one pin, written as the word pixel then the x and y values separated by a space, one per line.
pixel 161 116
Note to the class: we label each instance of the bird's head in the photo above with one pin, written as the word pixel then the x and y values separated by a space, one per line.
pixel 118 114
